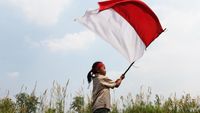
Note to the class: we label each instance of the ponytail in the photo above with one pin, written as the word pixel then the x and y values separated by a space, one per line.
pixel 89 76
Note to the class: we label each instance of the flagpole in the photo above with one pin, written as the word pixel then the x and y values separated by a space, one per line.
pixel 128 68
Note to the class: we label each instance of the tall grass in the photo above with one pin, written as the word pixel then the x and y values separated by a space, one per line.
pixel 55 100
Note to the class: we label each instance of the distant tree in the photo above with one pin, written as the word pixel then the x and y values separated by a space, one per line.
pixel 7 106
pixel 26 103
pixel 78 104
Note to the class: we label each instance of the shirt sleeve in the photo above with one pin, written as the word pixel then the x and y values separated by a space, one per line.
pixel 107 82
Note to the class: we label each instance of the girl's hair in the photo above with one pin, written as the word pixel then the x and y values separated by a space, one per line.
pixel 93 71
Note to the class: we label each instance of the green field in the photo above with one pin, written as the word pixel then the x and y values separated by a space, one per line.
pixel 57 101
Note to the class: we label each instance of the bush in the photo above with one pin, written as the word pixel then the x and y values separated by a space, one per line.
pixel 78 104
pixel 26 103
pixel 7 106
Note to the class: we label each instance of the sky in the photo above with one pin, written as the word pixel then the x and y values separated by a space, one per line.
pixel 40 42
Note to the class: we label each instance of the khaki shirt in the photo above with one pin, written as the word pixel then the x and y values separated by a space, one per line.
pixel 101 92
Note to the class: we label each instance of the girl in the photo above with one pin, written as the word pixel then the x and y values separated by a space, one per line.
pixel 101 88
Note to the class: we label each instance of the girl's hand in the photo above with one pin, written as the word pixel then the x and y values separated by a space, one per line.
pixel 122 76
pixel 118 82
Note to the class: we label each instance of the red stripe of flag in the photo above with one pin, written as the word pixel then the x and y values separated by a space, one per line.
pixel 139 16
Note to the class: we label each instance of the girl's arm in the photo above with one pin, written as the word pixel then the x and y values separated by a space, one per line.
pixel 108 82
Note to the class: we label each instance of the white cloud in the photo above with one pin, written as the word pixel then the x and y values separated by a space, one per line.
pixel 70 42
pixel 42 12
pixel 13 75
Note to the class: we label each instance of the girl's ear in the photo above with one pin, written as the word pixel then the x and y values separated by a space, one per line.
pixel 96 70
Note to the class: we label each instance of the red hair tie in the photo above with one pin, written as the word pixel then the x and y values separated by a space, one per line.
pixel 99 65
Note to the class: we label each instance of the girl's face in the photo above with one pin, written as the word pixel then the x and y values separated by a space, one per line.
pixel 102 70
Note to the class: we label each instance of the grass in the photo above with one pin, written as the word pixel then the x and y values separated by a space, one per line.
pixel 56 103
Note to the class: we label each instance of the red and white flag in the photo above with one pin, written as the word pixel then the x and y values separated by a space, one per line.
pixel 128 25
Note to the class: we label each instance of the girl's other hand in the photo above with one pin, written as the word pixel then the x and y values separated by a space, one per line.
pixel 122 76
pixel 118 82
